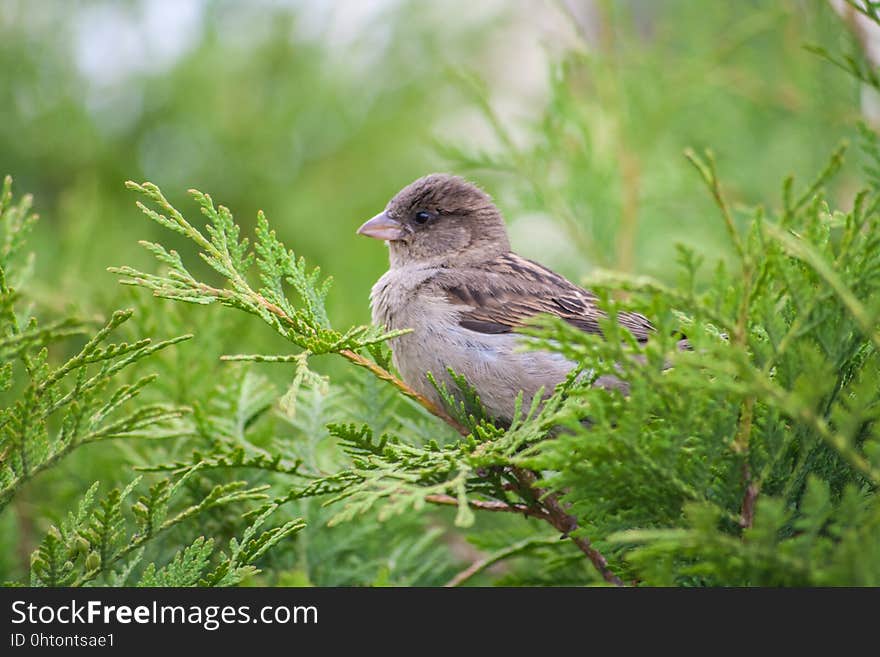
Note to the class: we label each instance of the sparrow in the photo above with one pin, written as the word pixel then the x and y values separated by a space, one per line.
pixel 455 282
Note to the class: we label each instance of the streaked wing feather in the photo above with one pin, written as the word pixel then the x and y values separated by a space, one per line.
pixel 510 289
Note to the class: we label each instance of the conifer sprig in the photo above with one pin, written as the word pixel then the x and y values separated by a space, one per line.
pixel 78 402
pixel 104 534
pixel 85 400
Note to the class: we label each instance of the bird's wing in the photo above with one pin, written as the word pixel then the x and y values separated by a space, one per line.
pixel 502 294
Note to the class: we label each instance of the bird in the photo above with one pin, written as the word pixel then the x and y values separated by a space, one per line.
pixel 455 282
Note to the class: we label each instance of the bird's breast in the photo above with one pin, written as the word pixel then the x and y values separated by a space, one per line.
pixel 493 364
pixel 397 296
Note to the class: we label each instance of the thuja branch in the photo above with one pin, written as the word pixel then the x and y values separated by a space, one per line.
pixel 742 437
pixel 381 373
pixel 220 495
pixel 566 523
pixel 706 169
pixel 501 507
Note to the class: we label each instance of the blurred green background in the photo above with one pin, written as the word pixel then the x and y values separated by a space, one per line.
pixel 573 114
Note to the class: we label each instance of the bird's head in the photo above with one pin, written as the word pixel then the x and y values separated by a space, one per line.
pixel 440 220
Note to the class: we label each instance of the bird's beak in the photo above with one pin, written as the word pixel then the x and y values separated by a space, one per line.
pixel 382 227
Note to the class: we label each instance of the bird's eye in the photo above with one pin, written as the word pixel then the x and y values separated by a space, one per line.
pixel 422 217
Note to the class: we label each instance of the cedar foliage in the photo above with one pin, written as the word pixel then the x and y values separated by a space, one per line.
pixel 52 411
pixel 753 460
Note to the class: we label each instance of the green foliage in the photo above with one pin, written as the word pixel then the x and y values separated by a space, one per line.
pixel 51 411
pixel 750 460
pixel 820 543
pixel 79 402
pixel 780 385
pixel 96 541
pixel 192 566
pixel 244 427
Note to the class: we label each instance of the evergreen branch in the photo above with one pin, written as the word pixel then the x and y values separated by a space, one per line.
pixel 565 523
pixel 99 535
pixel 13 344
pixel 220 495
pixel 133 353
pixel 482 505
pixel 691 540
pixel 262 358
pixel 32 440
pixel 90 353
pixel 129 427
pixel 750 498
pixel 706 169
pixel 236 458
pixel 800 249
pixel 795 408
pixel 744 423
pixel 834 165
pixel 377 370
pixel 862 72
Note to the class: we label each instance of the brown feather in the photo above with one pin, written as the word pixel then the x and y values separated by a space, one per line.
pixel 502 294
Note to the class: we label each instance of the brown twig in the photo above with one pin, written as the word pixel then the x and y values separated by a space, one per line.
pixel 741 445
pixel 747 510
pixel 383 374
pixel 501 507
pixel 566 523
pixel 475 568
